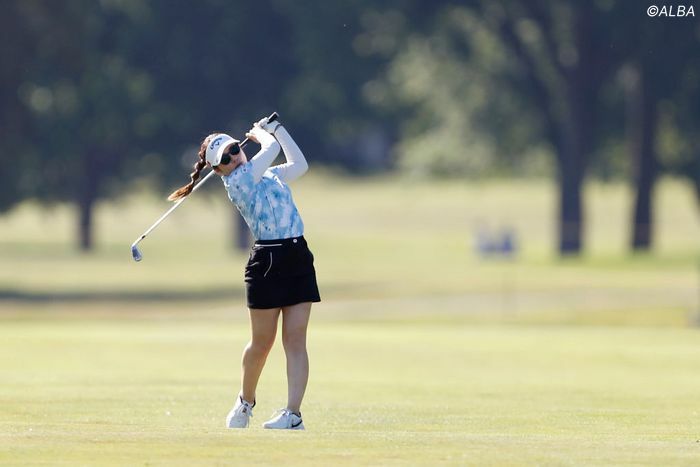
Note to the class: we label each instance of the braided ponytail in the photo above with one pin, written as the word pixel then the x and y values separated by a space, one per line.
pixel 194 176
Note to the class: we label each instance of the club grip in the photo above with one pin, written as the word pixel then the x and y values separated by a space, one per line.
pixel 271 118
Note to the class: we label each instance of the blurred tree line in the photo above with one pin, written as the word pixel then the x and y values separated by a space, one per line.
pixel 97 94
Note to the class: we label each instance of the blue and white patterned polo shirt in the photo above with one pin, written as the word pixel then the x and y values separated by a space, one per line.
pixel 266 206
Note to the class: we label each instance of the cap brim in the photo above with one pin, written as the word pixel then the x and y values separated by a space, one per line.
pixel 221 149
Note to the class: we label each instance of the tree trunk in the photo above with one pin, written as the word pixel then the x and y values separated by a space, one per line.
pixel 570 207
pixel 87 195
pixel 568 103
pixel 85 224
pixel 577 134
pixel 642 139
pixel 572 157
pixel 696 182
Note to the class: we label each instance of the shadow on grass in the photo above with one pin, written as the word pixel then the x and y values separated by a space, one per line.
pixel 158 295
pixel 128 296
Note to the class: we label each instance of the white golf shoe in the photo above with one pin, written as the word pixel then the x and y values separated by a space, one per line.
pixel 283 419
pixel 240 414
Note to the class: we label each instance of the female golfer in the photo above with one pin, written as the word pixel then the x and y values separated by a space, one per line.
pixel 280 275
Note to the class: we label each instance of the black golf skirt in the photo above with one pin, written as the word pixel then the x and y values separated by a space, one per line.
pixel 280 273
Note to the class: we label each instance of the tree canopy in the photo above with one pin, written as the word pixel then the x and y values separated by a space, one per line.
pixel 97 94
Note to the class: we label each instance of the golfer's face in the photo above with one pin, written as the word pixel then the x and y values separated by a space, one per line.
pixel 236 160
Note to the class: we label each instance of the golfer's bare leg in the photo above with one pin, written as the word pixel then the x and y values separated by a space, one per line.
pixel 263 325
pixel 295 320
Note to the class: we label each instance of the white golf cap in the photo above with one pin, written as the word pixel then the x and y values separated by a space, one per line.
pixel 216 148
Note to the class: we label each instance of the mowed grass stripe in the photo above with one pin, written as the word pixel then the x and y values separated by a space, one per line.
pixel 140 391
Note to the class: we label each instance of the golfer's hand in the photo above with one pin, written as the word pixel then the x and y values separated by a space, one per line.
pixel 254 133
pixel 270 127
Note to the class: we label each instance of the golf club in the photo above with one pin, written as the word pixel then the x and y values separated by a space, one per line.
pixel 135 253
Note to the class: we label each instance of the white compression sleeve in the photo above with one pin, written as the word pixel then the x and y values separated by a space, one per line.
pixel 296 165
pixel 269 148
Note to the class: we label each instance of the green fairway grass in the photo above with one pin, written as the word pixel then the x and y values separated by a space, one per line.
pixel 155 390
pixel 421 352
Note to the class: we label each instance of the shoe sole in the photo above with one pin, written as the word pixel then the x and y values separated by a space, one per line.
pixel 299 427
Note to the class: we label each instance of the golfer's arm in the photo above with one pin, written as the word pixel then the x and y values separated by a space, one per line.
pixel 269 148
pixel 296 165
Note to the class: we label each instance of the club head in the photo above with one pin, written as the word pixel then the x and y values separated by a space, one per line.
pixel 135 253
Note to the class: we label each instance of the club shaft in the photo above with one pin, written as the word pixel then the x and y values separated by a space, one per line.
pixel 134 249
pixel 175 206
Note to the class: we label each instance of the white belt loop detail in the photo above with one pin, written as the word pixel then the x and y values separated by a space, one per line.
pixel 269 267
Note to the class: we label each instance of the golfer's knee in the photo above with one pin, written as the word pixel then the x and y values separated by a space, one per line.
pixel 261 345
pixel 294 342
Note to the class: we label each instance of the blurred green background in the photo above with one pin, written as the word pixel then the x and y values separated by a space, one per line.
pixel 503 204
